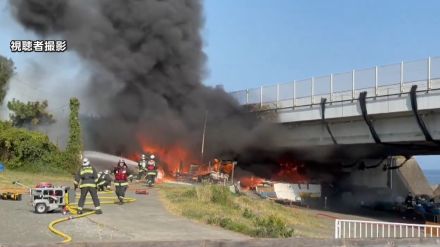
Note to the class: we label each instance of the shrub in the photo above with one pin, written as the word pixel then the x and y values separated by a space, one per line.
pixel 192 213
pixel 248 214
pixel 28 150
pixel 228 223
pixel 191 193
pixel 221 195
pixel 219 221
pixel 272 227
pixel 204 193
pixel 213 193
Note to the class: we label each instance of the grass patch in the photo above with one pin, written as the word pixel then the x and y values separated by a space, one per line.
pixel 215 205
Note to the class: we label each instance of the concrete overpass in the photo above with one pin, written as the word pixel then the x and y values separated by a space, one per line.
pixel 366 113
pixel 358 121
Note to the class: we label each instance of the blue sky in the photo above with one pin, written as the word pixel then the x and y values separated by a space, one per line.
pixel 254 42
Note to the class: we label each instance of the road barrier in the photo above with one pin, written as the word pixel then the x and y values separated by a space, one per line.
pixel 377 229
pixel 378 81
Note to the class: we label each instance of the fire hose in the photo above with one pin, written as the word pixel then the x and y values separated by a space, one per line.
pixel 73 209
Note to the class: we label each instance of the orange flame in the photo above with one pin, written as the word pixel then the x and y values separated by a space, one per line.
pixel 160 175
pixel 289 172
pixel 250 182
pixel 170 158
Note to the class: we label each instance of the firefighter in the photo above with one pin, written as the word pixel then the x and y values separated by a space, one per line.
pixel 409 200
pixel 152 161
pixel 86 179
pixel 100 174
pixel 121 180
pixel 151 170
pixel 142 167
pixel 104 180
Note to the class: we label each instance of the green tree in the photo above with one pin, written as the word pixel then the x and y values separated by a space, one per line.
pixel 74 145
pixel 6 72
pixel 30 113
pixel 28 150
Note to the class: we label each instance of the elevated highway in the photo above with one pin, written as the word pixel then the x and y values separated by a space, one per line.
pixel 368 113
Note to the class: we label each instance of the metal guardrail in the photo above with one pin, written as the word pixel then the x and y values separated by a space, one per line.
pixel 377 81
pixel 376 229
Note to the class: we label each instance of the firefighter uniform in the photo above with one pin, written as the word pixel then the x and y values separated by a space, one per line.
pixel 142 168
pixel 104 180
pixel 86 179
pixel 151 170
pixel 122 174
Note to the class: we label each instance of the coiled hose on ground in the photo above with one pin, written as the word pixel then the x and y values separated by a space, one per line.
pixel 73 208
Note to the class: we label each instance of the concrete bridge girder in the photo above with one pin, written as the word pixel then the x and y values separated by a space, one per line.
pixel 392 119
pixel 393 129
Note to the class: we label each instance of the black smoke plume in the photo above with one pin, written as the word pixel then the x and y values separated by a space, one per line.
pixel 147 63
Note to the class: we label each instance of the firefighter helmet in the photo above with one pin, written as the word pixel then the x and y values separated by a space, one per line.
pixel 152 156
pixel 86 162
pixel 143 156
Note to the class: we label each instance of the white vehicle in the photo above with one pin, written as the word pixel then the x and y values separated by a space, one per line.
pixel 296 192
pixel 289 192
pixel 49 199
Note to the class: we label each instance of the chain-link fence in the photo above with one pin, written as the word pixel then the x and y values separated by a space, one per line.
pixel 377 81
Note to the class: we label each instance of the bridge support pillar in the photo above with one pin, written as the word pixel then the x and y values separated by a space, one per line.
pixel 323 101
pixel 420 122
pixel 363 105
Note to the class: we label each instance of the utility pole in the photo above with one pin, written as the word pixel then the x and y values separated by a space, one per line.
pixel 203 136
pixel 234 163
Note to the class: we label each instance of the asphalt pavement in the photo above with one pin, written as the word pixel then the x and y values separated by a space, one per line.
pixel 19 224
pixel 144 220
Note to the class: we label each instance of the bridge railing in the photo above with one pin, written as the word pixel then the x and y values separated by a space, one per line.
pixel 377 81
pixel 377 229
